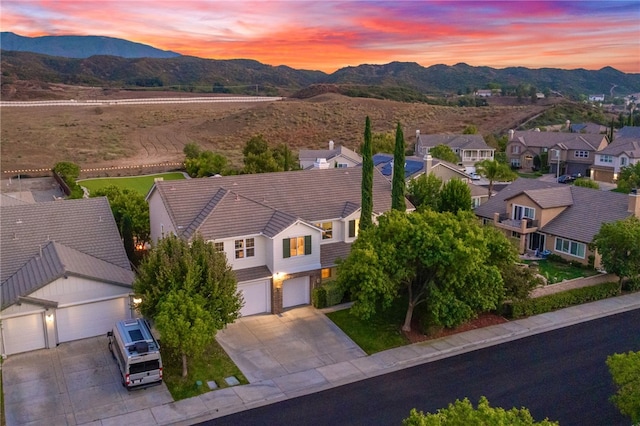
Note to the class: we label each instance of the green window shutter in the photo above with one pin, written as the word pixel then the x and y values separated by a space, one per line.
pixel 286 248
pixel 307 244
pixel 352 228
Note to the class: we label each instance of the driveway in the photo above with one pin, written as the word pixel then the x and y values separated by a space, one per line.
pixel 75 383
pixel 269 346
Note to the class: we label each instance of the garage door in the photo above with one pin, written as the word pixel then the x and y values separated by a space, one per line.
pixel 295 292
pixel 23 334
pixel 90 319
pixel 257 297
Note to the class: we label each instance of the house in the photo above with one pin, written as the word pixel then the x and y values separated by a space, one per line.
pixel 623 151
pixel 281 232
pixel 572 153
pixel 563 219
pixel 594 128
pixel 416 166
pixel 485 93
pixel 596 98
pixel 65 274
pixel 469 148
pixel 339 157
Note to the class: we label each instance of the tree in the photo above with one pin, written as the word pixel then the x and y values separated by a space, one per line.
pixel 586 183
pixel 470 130
pixel 455 195
pixel 443 152
pixel 127 239
pixel 629 178
pixel 440 260
pixel 494 171
pixel 424 191
pixel 382 142
pixel 125 202
pixel 619 245
pixel 258 157
pixel 398 182
pixel 189 290
pixel 207 163
pixel 69 173
pixel 366 211
pixel 625 371
pixel 463 413
pixel 191 150
pixel 285 158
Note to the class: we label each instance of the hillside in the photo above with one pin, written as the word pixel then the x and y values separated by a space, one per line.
pixel 118 135
pixel 191 74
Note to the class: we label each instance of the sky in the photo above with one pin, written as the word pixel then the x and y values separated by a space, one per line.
pixel 328 35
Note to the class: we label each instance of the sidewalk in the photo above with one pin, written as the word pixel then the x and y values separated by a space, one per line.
pixel 231 400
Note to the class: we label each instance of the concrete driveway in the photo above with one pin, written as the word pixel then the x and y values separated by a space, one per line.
pixel 75 383
pixel 269 346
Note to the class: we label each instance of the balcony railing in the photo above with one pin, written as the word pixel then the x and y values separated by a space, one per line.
pixel 505 220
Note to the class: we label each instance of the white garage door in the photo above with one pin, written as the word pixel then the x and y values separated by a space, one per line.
pixel 23 334
pixel 257 297
pixel 295 292
pixel 90 319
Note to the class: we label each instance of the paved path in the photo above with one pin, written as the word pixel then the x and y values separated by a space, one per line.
pixel 231 400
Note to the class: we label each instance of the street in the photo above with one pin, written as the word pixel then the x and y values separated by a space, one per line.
pixel 560 374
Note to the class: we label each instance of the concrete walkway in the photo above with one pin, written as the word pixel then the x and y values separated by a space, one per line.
pixel 231 400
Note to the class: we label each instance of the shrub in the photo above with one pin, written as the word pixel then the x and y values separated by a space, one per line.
pixel 540 305
pixel 335 294
pixel 319 297
pixel 632 284
pixel 556 258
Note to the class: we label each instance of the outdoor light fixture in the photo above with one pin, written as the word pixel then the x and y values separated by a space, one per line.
pixel 49 317
pixel 137 301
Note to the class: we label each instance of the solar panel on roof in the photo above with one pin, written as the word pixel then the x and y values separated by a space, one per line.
pixel 412 167
pixel 381 158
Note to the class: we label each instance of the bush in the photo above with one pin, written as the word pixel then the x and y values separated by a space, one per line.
pixel 541 305
pixel 556 258
pixel 335 294
pixel 631 284
pixel 319 297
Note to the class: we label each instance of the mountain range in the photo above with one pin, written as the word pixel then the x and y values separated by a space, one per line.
pixel 110 62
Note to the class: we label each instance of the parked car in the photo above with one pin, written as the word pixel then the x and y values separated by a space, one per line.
pixel 474 176
pixel 565 179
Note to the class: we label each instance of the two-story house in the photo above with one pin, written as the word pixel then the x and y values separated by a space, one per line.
pixel 571 153
pixel 559 218
pixel 340 157
pixel 281 232
pixel 416 166
pixel 469 148
pixel 623 151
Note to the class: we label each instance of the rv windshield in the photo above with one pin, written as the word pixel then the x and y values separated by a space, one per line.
pixel 141 367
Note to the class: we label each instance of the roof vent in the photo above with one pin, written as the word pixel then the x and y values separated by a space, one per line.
pixel 330 145
pixel 18 221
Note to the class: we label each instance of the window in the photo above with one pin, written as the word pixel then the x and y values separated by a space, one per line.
pixel 245 248
pixel 475 202
pixel 342 165
pixel 623 161
pixel 515 234
pixel 572 248
pixel 327 230
pixel 545 149
pixel 515 149
pixel 581 154
pixel 326 273
pixel 515 162
pixel 520 212
pixel 297 246
pixel 218 246
pixel 353 228
pixel 606 159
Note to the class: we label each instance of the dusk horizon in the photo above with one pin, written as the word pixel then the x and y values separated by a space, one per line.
pixel 328 36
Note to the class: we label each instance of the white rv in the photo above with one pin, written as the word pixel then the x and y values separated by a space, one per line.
pixel 136 352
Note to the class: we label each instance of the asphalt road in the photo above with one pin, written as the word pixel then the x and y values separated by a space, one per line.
pixel 560 375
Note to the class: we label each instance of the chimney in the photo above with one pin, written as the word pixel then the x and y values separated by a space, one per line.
pixel 511 133
pixel 634 202
pixel 428 163
pixel 330 145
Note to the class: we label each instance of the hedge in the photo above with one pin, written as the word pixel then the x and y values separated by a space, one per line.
pixel 328 294
pixel 549 303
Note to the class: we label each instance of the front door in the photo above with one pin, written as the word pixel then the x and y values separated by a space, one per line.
pixel 536 241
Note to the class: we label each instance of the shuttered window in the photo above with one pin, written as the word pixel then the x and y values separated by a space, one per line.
pixel 297 246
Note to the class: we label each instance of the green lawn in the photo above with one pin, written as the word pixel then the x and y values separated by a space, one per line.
pixel 215 365
pixel 142 184
pixel 376 334
pixel 556 272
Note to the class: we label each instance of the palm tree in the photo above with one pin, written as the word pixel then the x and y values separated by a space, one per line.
pixel 494 171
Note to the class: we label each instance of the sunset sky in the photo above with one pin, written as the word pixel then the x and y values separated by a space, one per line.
pixel 327 35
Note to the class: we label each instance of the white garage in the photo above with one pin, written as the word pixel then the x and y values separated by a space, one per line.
pixel 257 297
pixel 25 333
pixel 90 319
pixel 295 292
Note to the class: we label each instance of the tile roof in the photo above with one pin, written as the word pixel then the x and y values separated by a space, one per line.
pixel 623 145
pixel 313 154
pixel 254 273
pixel 330 253
pixel 629 131
pixel 587 209
pixel 226 206
pixel 453 141
pixel 87 244
pixel 589 142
